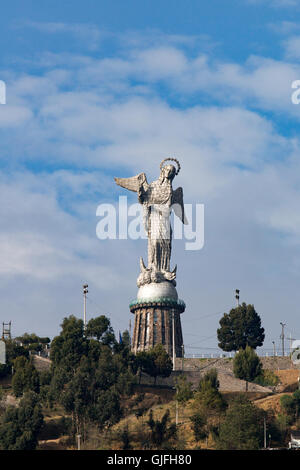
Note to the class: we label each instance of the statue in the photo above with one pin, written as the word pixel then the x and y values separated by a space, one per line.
pixel 158 199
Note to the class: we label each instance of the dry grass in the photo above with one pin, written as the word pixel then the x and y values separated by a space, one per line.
pixel 288 384
pixel 288 379
pixel 136 428
pixel 160 400
pixel 271 402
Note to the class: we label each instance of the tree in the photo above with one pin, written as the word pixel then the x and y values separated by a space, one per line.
pixel 242 428
pixel 125 437
pixel 89 373
pixel 290 404
pixel 144 362
pixel 25 378
pixel 45 381
pixel 247 365
pixel 68 348
pixel 76 397
pixel 20 426
pixel 240 328
pixel 4 370
pixel 209 380
pixel 199 426
pixel 155 362
pixel 32 342
pixel 126 338
pixel 101 329
pixel 107 410
pixel 208 400
pixel 2 400
pixel 161 431
pixel 14 350
pixel 162 362
pixel 27 339
pixel 184 390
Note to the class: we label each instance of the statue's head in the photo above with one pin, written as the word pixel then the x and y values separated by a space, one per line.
pixel 169 171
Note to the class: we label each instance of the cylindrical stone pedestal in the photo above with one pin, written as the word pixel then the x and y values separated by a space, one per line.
pixel 154 319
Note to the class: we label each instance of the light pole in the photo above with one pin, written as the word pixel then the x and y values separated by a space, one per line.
pixel 173 339
pixel 237 296
pixel 282 336
pixel 274 349
pixel 85 291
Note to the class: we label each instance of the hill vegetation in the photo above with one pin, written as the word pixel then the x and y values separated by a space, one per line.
pixel 92 387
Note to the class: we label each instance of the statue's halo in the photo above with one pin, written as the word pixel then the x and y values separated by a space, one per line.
pixel 171 160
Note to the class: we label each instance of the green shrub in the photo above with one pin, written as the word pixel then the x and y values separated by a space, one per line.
pixel 199 427
pixel 267 378
pixel 4 370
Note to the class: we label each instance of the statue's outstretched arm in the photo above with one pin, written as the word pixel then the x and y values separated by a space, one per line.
pixel 178 206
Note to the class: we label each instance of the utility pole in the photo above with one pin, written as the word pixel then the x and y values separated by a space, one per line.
pixel 182 347
pixel 173 339
pixel 290 342
pixel 265 433
pixel 274 349
pixel 85 291
pixel 78 441
pixel 130 332
pixel 282 336
pixel 237 296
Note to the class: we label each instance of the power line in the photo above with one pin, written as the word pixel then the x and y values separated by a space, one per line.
pixel 207 337
pixel 212 314
pixel 100 309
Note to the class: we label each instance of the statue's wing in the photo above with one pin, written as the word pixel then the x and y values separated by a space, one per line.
pixel 134 183
pixel 178 206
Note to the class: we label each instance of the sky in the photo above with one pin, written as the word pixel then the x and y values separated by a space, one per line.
pixel 98 89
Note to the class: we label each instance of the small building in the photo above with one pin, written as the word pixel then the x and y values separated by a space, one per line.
pixel 295 440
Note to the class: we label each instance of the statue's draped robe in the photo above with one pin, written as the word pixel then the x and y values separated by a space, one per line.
pixel 157 200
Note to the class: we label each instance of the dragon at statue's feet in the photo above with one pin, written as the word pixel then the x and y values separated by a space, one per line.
pixel 149 275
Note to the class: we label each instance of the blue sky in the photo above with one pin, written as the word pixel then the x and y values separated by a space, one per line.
pixel 101 89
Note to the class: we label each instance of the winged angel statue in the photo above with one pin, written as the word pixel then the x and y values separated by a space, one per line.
pixel 158 199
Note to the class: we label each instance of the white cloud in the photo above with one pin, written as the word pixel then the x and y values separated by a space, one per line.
pixel 45 250
pixel 14 116
pixel 292 47
pixel 261 81
pixel 88 34
pixel 87 114
pixel 275 3
pixel 284 27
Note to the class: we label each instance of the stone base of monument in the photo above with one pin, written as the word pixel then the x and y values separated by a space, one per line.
pixel 157 309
